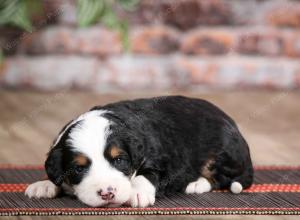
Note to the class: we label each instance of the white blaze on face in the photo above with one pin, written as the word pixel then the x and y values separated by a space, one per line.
pixel 89 137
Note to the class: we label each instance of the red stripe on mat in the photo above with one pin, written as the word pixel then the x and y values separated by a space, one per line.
pixel 254 188
pixel 126 209
pixel 17 187
pixel 274 188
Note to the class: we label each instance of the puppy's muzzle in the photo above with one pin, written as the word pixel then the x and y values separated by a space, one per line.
pixel 107 194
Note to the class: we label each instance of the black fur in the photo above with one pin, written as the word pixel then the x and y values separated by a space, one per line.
pixel 169 140
pixel 177 135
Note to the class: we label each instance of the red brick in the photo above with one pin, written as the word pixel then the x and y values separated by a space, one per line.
pixel 2 69
pixel 49 73
pixel 95 40
pixel 162 40
pixel 199 72
pixel 292 44
pixel 284 14
pixel 207 42
pixel 190 13
pixel 234 72
pixel 136 73
pixel 183 14
pixel 154 40
pixel 260 42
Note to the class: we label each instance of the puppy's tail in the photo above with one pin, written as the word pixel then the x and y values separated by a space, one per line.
pixel 242 182
pixel 236 187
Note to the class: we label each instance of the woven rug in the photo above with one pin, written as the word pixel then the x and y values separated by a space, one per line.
pixel 276 191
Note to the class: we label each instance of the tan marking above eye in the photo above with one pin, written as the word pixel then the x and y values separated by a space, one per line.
pixel 81 160
pixel 115 151
pixel 206 169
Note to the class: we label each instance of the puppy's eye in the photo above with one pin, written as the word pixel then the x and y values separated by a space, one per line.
pixel 119 161
pixel 79 169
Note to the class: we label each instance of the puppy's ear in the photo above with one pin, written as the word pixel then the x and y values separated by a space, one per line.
pixel 53 166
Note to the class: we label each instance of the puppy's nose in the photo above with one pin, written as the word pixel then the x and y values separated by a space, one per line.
pixel 107 194
pixel 110 189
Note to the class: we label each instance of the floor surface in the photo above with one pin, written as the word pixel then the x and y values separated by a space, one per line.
pixel 270 122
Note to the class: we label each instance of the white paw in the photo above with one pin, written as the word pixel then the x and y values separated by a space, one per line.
pixel 236 187
pixel 143 192
pixel 42 189
pixel 200 186
pixel 141 199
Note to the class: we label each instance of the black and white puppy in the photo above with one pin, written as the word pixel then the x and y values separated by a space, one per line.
pixel 131 151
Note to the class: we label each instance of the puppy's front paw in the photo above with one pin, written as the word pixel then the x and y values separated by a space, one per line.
pixel 141 198
pixel 143 192
pixel 42 189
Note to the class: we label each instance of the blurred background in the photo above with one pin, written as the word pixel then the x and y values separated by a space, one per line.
pixel 60 58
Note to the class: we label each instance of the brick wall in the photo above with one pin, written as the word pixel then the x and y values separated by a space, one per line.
pixel 174 44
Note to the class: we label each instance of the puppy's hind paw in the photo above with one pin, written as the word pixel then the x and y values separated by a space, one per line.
pixel 42 189
pixel 200 186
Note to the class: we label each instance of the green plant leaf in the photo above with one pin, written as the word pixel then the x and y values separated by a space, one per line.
pixel 128 4
pixel 110 20
pixel 109 17
pixel 15 12
pixel 1 56
pixel 21 17
pixel 124 30
pixel 89 11
pixel 34 7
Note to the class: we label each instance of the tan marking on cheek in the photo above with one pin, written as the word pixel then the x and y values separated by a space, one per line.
pixel 206 170
pixel 81 160
pixel 115 151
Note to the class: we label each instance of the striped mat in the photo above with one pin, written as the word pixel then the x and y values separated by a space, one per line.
pixel 276 191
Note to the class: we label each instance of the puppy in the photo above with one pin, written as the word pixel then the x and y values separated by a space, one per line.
pixel 132 151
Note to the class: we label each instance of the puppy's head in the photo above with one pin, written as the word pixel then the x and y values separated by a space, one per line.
pixel 96 159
